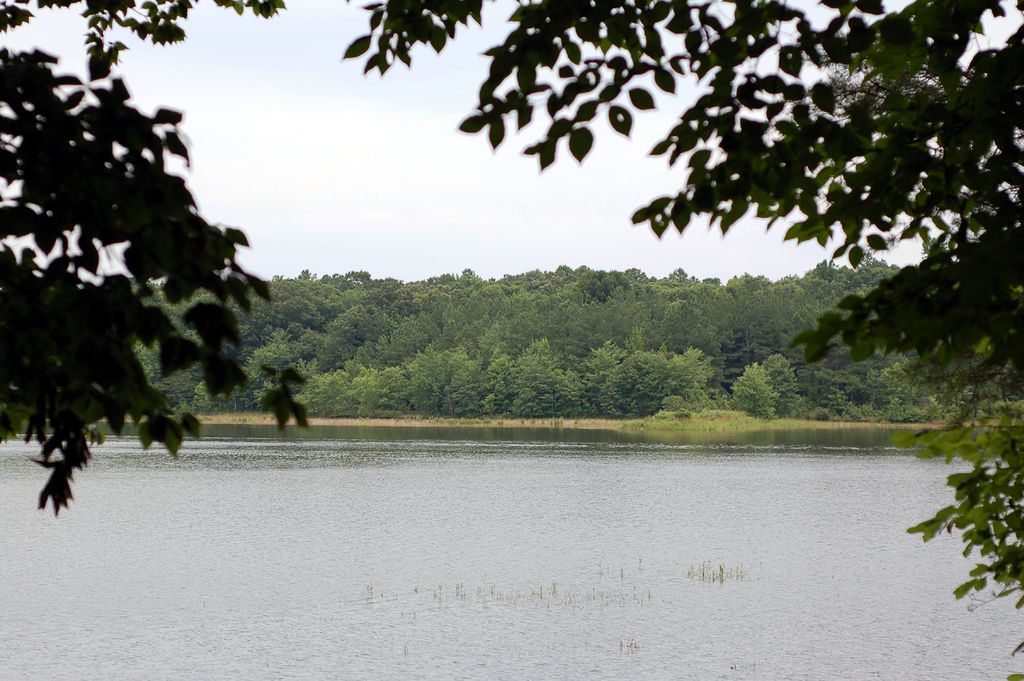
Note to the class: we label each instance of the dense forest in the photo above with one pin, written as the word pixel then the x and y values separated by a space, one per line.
pixel 564 343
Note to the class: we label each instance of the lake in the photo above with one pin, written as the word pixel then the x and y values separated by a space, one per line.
pixel 458 554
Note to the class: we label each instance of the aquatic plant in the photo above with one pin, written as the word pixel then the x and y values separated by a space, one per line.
pixel 707 572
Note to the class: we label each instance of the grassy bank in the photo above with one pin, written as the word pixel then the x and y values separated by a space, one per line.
pixel 721 421
pixel 711 421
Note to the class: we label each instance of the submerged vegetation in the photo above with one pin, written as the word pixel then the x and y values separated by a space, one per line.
pixel 635 585
pixel 569 344
pixel 720 574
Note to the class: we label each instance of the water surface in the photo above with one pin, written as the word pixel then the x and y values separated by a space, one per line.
pixel 454 555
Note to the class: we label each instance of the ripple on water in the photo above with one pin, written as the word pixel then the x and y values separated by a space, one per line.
pixel 446 558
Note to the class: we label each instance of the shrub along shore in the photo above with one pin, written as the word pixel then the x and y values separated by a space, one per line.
pixel 713 421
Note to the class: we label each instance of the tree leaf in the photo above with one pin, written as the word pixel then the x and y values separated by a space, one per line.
pixel 620 120
pixel 641 98
pixel 358 47
pixel 580 142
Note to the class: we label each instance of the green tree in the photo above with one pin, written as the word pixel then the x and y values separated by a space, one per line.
pixel 203 402
pixel 536 382
pixel 429 376
pixel 445 382
pixel 637 385
pixel 499 385
pixel 782 379
pixel 596 371
pixel 753 392
pixel 277 353
pixel 569 401
pixel 900 394
pixel 674 404
pixel 688 378
pixel 637 341
pixel 394 383
pixel 465 388
pixel 350 331
pixel 597 286
pixel 378 392
pixel 329 394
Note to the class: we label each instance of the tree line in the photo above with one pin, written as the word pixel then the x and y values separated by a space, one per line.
pixel 567 343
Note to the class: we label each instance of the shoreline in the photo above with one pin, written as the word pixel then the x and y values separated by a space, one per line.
pixel 709 422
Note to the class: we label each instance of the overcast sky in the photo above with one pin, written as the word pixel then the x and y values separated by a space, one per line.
pixel 331 171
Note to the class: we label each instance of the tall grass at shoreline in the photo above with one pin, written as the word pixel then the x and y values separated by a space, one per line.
pixel 718 421
pixel 721 420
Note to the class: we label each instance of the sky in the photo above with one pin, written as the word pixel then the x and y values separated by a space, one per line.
pixel 331 171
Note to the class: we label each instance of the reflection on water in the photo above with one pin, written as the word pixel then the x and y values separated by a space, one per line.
pixel 359 554
pixel 861 437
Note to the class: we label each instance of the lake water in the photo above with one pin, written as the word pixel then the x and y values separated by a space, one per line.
pixel 504 555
